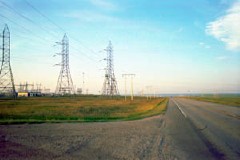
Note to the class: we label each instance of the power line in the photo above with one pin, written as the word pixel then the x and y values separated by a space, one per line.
pixel 83 54
pixel 59 27
pixel 26 18
pixel 85 46
pixel 27 30
pixel 48 19
pixel 43 40
pixel 34 8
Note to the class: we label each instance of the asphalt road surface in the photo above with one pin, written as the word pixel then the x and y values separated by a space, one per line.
pixel 190 130
pixel 216 126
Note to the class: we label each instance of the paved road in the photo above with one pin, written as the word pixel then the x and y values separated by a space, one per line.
pixel 217 126
pixel 189 130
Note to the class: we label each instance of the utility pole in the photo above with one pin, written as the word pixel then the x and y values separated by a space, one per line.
pixel 142 93
pixel 125 88
pixel 110 83
pixel 125 76
pixel 7 87
pixel 154 92
pixel 132 86
pixel 39 87
pixel 64 84
pixel 83 82
pixel 149 89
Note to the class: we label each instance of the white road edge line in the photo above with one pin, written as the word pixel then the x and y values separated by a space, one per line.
pixel 180 109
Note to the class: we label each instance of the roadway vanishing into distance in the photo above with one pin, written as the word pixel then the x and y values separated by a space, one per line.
pixel 188 130
pixel 204 130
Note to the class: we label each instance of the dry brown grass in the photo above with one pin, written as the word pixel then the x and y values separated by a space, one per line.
pixel 90 108
pixel 231 100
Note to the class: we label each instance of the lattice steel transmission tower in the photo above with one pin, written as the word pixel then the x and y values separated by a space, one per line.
pixel 65 83
pixel 110 84
pixel 7 87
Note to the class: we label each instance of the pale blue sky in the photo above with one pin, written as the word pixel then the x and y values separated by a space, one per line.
pixel 175 46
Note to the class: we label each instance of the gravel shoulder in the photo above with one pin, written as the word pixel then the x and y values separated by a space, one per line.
pixel 113 140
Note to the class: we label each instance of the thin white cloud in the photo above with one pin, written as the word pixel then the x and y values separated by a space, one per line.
pixel 104 4
pixel 227 28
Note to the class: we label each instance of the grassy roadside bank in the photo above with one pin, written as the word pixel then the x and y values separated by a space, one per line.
pixel 231 100
pixel 78 109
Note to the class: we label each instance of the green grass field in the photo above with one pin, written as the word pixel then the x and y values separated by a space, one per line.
pixel 78 109
pixel 232 100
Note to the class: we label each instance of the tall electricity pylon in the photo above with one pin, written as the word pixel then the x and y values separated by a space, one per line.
pixel 64 84
pixel 7 87
pixel 110 84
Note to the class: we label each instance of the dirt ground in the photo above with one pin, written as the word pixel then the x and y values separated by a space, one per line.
pixel 112 140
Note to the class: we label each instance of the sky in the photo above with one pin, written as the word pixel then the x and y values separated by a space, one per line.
pixel 174 46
